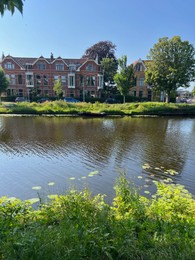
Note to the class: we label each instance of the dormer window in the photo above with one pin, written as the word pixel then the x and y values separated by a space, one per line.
pixel 28 66
pixel 9 66
pixel 72 67
pixel 139 67
pixel 90 67
pixel 59 67
pixel 41 66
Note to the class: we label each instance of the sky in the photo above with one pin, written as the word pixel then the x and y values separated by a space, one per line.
pixel 68 27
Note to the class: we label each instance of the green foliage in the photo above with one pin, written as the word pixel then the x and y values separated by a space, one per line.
pixel 109 67
pixel 172 65
pixel 193 92
pixel 4 83
pixel 124 79
pixel 62 108
pixel 11 5
pixel 79 226
pixel 58 87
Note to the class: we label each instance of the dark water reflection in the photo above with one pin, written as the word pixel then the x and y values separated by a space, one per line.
pixel 37 150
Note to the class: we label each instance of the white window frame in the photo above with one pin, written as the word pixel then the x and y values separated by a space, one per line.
pixel 71 80
pixel 59 66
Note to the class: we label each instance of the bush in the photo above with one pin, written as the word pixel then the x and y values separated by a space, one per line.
pixel 79 226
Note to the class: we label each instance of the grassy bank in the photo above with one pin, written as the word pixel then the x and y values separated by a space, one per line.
pixel 79 226
pixel 61 107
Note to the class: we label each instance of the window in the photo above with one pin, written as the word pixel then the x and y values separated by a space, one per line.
pixel 93 80
pixel 41 66
pixel 72 67
pixel 81 80
pixel 11 92
pixel 71 80
pixel 141 82
pixel 28 66
pixel 9 66
pixel 38 80
pixel 90 81
pixel 45 80
pixel 92 93
pixel 46 92
pixel 100 81
pixel 135 81
pixel 20 79
pixel 140 94
pixel 12 79
pixel 59 67
pixel 139 67
pixel 29 79
pixel 134 93
pixel 90 67
pixel 55 77
pixel 63 79
pixel 71 94
pixel 20 92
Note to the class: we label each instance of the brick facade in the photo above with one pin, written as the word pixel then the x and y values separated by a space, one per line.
pixel 140 89
pixel 36 76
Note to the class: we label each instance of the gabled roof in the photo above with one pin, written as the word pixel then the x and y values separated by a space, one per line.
pixel 22 61
pixel 139 61
pixel 86 60
pixel 19 61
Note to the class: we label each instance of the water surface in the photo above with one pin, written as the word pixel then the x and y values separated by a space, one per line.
pixel 35 151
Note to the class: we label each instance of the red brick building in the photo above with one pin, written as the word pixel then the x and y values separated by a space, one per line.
pixel 36 76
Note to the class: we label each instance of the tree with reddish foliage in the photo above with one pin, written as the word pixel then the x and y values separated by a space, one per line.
pixel 100 50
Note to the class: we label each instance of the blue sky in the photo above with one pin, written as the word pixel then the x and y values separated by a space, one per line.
pixel 68 27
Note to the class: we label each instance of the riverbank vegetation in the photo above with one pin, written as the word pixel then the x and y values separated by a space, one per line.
pixel 79 226
pixel 62 107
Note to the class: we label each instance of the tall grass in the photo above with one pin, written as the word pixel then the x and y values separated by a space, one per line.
pixel 61 107
pixel 79 226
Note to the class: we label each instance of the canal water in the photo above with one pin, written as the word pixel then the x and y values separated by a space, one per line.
pixel 48 155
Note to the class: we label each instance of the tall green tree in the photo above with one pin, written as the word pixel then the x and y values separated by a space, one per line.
pixel 58 87
pixel 11 5
pixel 125 77
pixel 4 82
pixel 109 68
pixel 172 65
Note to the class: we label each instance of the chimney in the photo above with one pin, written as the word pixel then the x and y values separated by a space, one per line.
pixel 51 57
pixel 3 56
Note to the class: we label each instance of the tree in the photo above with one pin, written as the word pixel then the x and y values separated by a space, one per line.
pixel 109 68
pixel 125 77
pixel 4 82
pixel 193 92
pixel 100 50
pixel 11 5
pixel 172 65
pixel 58 87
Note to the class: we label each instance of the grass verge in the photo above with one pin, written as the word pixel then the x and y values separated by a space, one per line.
pixel 61 107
